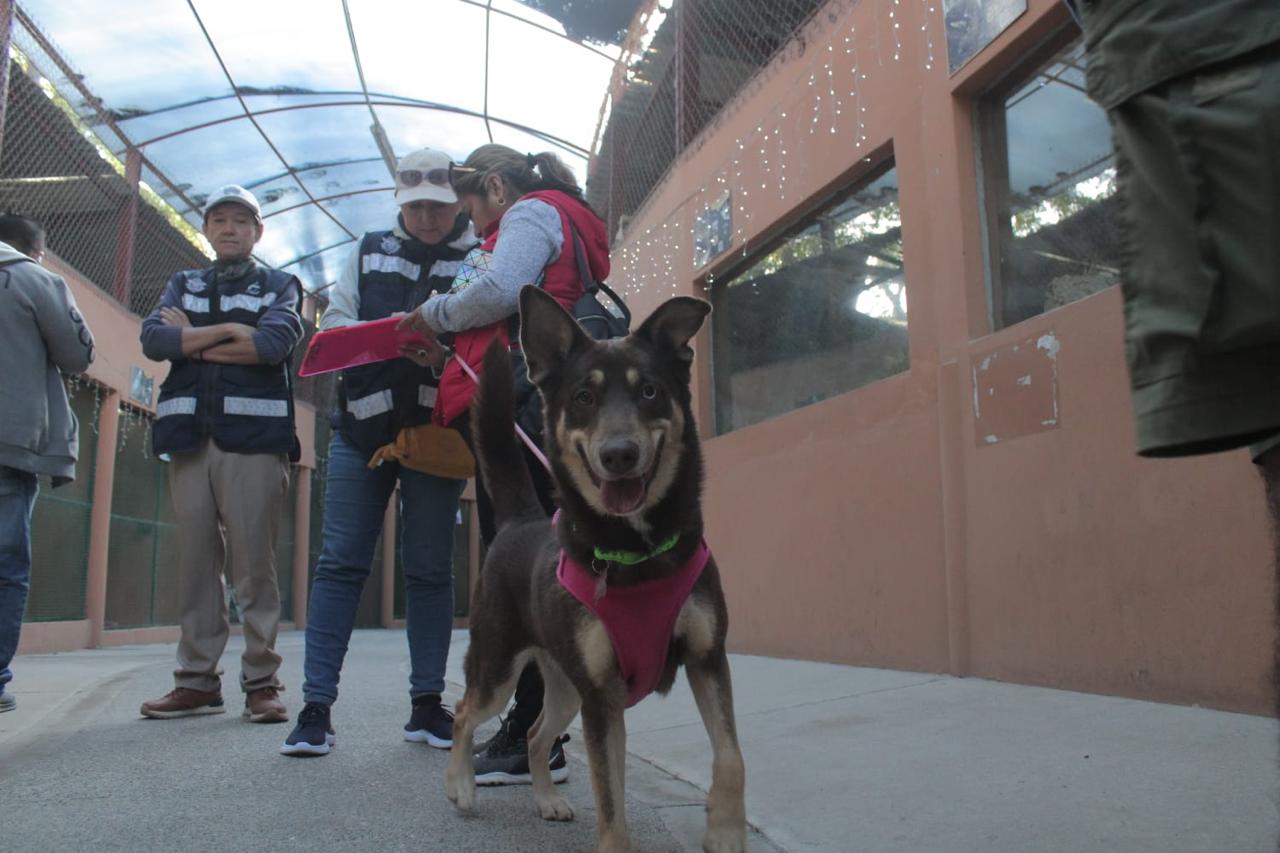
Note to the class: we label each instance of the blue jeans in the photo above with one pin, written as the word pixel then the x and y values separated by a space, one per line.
pixel 17 498
pixel 355 502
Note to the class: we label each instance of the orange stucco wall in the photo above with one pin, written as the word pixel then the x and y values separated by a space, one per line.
pixel 882 527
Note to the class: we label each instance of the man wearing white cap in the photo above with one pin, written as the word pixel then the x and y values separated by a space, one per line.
pixel 225 419
pixel 381 406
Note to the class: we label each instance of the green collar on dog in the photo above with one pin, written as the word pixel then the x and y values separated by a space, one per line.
pixel 631 558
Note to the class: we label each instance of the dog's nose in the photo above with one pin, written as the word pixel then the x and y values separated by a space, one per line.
pixel 620 456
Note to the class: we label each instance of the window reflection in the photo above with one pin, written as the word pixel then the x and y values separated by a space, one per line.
pixel 823 312
pixel 1051 211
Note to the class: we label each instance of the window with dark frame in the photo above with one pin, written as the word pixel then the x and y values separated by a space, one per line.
pixel 821 312
pixel 1051 211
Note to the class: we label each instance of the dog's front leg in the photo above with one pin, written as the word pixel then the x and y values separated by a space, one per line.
pixel 559 706
pixel 605 734
pixel 726 809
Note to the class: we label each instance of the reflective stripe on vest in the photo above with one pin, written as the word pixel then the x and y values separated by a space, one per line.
pixel 176 406
pixel 198 304
pixel 376 262
pixel 427 396
pixel 246 302
pixel 255 407
pixel 372 405
pixel 445 269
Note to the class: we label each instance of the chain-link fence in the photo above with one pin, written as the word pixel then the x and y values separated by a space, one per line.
pixel 57 166
pixel 142 555
pixel 60 523
pixel 98 217
pixel 702 54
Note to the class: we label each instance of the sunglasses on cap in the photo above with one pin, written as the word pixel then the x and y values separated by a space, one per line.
pixel 409 178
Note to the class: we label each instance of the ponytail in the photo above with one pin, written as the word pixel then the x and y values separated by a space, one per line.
pixel 553 174
pixel 524 173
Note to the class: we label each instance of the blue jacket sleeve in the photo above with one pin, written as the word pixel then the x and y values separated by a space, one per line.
pixel 161 342
pixel 280 328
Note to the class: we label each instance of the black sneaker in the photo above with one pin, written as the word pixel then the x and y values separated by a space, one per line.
pixel 503 733
pixel 430 723
pixel 313 735
pixel 505 760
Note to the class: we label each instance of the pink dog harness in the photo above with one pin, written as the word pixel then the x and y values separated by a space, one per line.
pixel 638 618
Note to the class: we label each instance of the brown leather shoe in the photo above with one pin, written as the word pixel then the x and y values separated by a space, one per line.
pixel 184 702
pixel 264 706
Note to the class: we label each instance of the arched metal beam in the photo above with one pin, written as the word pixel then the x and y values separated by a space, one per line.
pixel 488 16
pixel 311 167
pixel 333 197
pixel 390 101
pixel 316 253
pixel 218 56
pixel 489 4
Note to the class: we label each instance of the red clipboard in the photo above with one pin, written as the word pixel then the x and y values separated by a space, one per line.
pixel 350 346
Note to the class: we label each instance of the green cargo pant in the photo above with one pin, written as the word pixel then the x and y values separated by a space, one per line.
pixel 1199 175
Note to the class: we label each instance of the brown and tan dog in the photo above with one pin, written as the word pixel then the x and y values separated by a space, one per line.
pixel 627 465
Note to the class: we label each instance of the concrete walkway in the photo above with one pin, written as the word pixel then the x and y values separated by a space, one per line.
pixel 838 759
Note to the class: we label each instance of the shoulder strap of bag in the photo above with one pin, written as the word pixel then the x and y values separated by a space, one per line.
pixel 584 269
pixel 588 280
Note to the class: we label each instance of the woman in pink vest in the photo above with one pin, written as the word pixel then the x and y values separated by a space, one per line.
pixel 528 209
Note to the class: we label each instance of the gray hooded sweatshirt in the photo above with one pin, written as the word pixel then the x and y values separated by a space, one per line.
pixel 41 334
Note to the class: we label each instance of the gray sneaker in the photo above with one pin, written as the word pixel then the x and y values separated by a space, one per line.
pixel 7 701
pixel 505 760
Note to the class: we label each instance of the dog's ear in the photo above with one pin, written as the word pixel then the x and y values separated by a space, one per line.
pixel 673 324
pixel 547 333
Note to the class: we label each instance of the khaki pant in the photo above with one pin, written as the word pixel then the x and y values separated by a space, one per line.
pixel 228 505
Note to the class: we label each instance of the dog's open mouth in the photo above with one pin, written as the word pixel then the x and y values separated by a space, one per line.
pixel 623 495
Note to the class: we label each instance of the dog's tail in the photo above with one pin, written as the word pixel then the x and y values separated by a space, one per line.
pixel 498 455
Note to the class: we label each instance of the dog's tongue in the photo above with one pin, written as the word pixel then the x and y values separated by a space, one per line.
pixel 622 496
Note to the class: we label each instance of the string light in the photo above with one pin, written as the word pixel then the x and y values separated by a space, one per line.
pixel 851 50
pixel 897 37
pixel 928 35
pixel 831 88
pixel 782 164
pixel 122 429
pixel 650 258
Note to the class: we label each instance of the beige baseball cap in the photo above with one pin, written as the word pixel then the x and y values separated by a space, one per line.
pixel 235 193
pixel 423 175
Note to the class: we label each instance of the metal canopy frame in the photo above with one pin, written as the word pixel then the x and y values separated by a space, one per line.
pixel 188 204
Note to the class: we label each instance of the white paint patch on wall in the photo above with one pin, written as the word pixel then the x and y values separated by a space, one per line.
pixel 1049 343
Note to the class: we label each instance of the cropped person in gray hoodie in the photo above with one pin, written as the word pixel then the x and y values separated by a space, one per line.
pixel 44 336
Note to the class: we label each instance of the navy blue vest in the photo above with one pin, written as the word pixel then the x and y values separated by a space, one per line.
pixel 376 401
pixel 244 408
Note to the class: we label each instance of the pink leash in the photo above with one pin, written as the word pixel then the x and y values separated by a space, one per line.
pixel 528 442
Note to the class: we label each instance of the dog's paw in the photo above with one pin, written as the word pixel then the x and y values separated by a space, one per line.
pixel 554 807
pixel 725 840
pixel 461 792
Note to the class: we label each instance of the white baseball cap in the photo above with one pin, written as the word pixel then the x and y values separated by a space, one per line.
pixel 424 175
pixel 235 193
